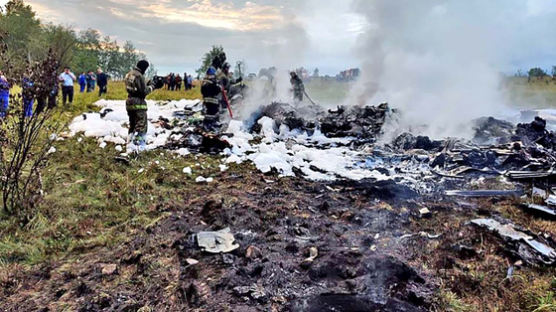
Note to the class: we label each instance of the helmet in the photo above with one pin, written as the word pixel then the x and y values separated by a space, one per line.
pixel 143 65
pixel 211 71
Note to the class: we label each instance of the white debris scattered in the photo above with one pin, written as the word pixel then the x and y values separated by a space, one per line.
pixel 102 144
pixel 118 148
pixel 182 152
pixel 51 150
pixel 286 152
pixel 110 128
pixel 79 140
pixel 141 170
pixel 187 170
pixel 201 179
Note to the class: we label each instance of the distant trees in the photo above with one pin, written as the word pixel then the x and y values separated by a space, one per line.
pixel 316 73
pixel 28 40
pixel 537 72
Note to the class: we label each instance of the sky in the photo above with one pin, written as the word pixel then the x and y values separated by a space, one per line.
pixel 174 34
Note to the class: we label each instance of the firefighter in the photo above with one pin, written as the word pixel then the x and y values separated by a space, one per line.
pixel 211 91
pixel 298 87
pixel 136 105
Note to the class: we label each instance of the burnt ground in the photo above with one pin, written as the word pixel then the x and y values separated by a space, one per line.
pixel 375 253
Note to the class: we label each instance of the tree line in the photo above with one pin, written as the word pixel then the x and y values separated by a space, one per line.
pixel 29 40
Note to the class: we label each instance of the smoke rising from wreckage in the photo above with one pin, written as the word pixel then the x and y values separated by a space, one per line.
pixel 367 196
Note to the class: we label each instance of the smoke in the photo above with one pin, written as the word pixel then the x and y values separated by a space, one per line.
pixel 438 62
pixel 284 48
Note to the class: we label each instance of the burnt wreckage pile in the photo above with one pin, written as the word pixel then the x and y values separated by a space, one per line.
pixel 364 123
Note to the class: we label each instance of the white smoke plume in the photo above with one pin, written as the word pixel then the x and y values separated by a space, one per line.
pixel 437 61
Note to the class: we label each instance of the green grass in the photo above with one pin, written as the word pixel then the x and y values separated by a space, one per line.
pixel 535 94
pixel 329 92
pixel 91 200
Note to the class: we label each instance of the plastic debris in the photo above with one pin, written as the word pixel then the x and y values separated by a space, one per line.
pixel 217 242
pixel 485 193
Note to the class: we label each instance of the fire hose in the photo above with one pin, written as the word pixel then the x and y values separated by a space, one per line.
pixel 310 99
pixel 225 95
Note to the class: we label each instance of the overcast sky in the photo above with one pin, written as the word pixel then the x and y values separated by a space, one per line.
pixel 289 33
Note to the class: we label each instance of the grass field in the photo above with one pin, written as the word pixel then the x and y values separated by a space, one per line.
pixel 534 94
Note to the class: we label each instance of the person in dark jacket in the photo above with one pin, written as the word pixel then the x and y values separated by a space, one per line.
pixel 297 87
pixel 136 105
pixel 102 81
pixel 28 90
pixel 211 92
pixel 178 82
pixel 47 94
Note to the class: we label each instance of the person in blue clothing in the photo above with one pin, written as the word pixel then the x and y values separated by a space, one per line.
pixel 67 78
pixel 82 82
pixel 4 95
pixel 28 96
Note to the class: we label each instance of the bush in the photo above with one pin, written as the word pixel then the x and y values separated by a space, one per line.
pixel 25 138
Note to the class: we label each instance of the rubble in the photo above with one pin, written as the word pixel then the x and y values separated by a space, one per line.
pixel 359 122
pixel 489 130
pixel 542 210
pixel 521 244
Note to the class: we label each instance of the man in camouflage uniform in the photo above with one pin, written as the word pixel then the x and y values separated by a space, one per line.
pixel 298 87
pixel 136 105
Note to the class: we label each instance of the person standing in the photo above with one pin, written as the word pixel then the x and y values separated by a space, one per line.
pixel 46 94
pixel 136 105
pixel 102 80
pixel 190 82
pixel 82 82
pixel 4 95
pixel 93 80
pixel 298 87
pixel 172 82
pixel 178 82
pixel 28 95
pixel 211 92
pixel 67 78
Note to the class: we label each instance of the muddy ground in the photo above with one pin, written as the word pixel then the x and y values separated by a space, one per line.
pixel 376 252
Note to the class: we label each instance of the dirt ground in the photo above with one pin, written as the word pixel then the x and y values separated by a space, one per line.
pixel 375 253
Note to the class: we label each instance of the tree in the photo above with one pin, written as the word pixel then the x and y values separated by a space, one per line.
pixel 87 55
pixel 553 71
pixel 537 72
pixel 62 41
pixel 22 30
pixel 207 59
pixel 316 73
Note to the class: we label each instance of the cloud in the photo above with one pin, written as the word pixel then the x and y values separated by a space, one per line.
pixel 314 33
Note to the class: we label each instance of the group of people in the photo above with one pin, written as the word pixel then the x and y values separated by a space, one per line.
pixel 174 82
pixel 48 97
pixel 88 82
